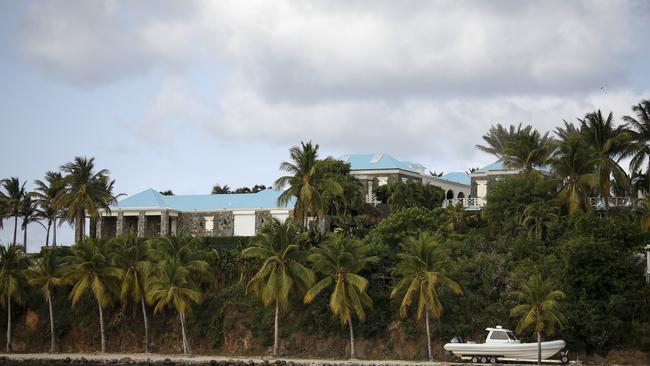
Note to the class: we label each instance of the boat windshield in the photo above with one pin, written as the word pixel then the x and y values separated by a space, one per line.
pixel 512 336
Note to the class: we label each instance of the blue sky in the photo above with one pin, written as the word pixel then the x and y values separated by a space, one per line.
pixel 182 95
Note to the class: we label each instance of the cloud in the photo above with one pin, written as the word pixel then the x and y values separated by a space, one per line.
pixel 411 77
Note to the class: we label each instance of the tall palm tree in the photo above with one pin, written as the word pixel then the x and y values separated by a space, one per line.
pixel 574 163
pixel 45 272
pixel 609 145
pixel 340 259
pixel 13 264
pixel 89 270
pixel 421 266
pixel 519 147
pixel 282 271
pixel 30 213
pixel 46 193
pixel 640 136
pixel 189 252
pixel 306 183
pixel 12 198
pixel 129 256
pixel 499 139
pixel 86 192
pixel 537 218
pixel 173 285
pixel 539 308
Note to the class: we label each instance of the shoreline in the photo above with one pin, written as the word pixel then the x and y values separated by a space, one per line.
pixel 166 359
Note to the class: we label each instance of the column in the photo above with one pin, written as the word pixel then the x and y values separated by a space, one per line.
pixel 98 228
pixel 164 223
pixel 119 224
pixel 142 222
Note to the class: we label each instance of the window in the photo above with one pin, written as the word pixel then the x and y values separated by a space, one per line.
pixel 499 335
pixel 209 223
pixel 244 223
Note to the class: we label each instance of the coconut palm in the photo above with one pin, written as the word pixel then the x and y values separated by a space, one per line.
pixel 539 308
pixel 44 273
pixel 421 266
pixel 609 145
pixel 538 217
pixel 30 213
pixel 129 256
pixel 13 264
pixel 46 193
pixel 89 270
pixel 306 184
pixel 172 285
pixel 529 149
pixel 499 139
pixel 218 189
pixel 640 136
pixel 282 271
pixel 574 163
pixel 189 252
pixel 12 199
pixel 340 259
pixel 86 192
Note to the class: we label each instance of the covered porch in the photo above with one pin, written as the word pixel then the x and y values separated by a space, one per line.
pixel 141 223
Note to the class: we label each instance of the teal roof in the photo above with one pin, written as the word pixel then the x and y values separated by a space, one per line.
pixel 379 161
pixel 456 177
pixel 497 165
pixel 150 198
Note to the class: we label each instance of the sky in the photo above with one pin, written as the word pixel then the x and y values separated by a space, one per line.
pixel 181 95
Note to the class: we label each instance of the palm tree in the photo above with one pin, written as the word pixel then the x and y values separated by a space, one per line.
pixel 499 139
pixel 640 137
pixel 12 199
pixel 46 193
pixel 282 271
pixel 89 269
pixel 13 264
pixel 574 164
pixel 609 145
pixel 189 252
pixel 306 184
pixel 86 192
pixel 30 213
pixel 129 256
pixel 44 273
pixel 519 148
pixel 538 307
pixel 340 259
pixel 172 284
pixel 538 217
pixel 218 189
pixel 421 267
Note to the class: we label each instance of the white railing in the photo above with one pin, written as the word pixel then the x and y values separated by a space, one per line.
pixel 371 199
pixel 599 204
pixel 470 203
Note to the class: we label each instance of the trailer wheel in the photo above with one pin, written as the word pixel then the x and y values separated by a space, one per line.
pixel 474 359
pixel 484 359
pixel 564 359
pixel 493 360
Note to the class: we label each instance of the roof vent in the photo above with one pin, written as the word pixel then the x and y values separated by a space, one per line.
pixel 376 158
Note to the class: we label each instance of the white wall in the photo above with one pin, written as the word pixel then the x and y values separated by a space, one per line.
pixel 244 223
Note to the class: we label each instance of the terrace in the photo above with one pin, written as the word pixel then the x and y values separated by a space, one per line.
pixel 475 204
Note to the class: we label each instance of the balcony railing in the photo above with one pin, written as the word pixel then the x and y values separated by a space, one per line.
pixel 470 203
pixel 599 203
pixel 474 204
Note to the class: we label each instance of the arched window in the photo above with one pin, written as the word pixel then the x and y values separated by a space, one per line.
pixel 461 195
pixel 450 194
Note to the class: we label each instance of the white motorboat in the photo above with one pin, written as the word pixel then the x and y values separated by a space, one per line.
pixel 502 345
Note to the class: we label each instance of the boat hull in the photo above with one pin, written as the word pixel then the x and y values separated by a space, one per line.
pixel 506 350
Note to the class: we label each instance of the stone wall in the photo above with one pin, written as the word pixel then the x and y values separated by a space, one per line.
pixel 223 223
pixel 152 226
pixel 261 219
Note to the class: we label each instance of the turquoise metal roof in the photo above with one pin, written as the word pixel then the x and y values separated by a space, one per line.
pixel 150 198
pixel 379 161
pixel 497 165
pixel 457 177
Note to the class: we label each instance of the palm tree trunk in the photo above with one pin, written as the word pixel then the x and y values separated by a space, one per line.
pixel 146 326
pixel 54 233
pixel 539 348
pixel 25 238
pixel 426 319
pixel 47 233
pixel 101 326
pixel 9 324
pixel 15 228
pixel 186 344
pixel 353 353
pixel 275 329
pixel 52 342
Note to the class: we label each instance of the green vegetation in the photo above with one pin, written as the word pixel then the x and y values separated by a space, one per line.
pixel 537 241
